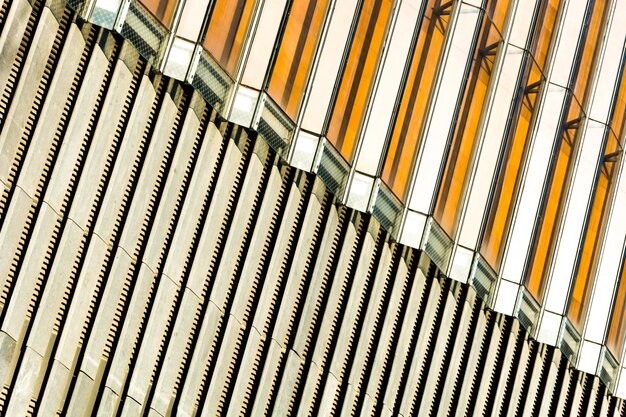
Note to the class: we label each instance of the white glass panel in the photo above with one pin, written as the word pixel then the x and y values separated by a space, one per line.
pixel 304 149
pixel 461 264
pixel 328 67
pixel 611 62
pixel 506 297
pixel 191 19
pixel 549 328
pixel 179 59
pixel 263 43
pixel 521 24
pixel 620 389
pixel 412 229
pixel 568 40
pixel 360 191
pixel 588 357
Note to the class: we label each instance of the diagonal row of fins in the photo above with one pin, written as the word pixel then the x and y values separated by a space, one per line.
pixel 156 260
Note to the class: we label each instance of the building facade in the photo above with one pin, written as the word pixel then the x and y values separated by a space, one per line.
pixel 312 207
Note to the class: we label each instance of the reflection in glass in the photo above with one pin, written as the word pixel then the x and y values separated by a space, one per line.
pixel 594 234
pixel 589 46
pixel 601 204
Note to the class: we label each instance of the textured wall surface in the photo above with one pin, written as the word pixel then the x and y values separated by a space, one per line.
pixel 156 260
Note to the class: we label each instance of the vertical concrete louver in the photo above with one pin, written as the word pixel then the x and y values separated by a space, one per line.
pixel 157 258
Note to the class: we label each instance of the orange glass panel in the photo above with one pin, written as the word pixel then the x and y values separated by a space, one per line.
pixel 289 75
pixel 618 121
pixel 461 152
pixel 593 236
pixel 227 30
pixel 497 10
pixel 615 339
pixel 546 234
pixel 406 132
pixel 161 9
pixel 544 30
pixel 590 45
pixel 358 75
pixel 498 220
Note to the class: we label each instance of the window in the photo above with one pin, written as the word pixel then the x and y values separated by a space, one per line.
pixel 583 282
pixel 546 234
pixel 161 9
pixel 589 46
pixel 499 217
pixel 594 234
pixel 462 149
pixel 544 29
pixel 302 32
pixel 406 131
pixel 227 30
pixel 501 209
pixel 358 75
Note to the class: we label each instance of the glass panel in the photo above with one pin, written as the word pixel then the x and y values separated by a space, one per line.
pixel 461 151
pixel 289 75
pixel 161 9
pixel 594 235
pixel 358 75
pixel 543 31
pixel 589 46
pixel 227 30
pixel 615 339
pixel 501 209
pixel 545 236
pixel 498 220
pixel 497 10
pixel 406 131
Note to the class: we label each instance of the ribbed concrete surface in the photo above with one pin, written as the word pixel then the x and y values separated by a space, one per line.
pixel 157 261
